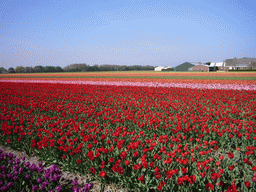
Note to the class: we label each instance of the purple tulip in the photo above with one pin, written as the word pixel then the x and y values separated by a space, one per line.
pixel 9 185
pixel 23 158
pixel 46 175
pixel 40 164
pixel 76 189
pixel 54 169
pixel 58 188
pixel 16 172
pixel 14 168
pixel 90 186
pixel 57 177
pixel 39 180
pixel 5 172
pixel 3 188
pixel 27 176
pixel 33 167
pixel 34 188
pixel 46 183
pixel 17 160
pixel 21 169
pixel 8 175
pixel 27 164
pixel 11 155
pixel 51 178
pixel 86 187
pixel 15 178
pixel 40 170
pixel 43 187
pixel 75 182
pixel 3 167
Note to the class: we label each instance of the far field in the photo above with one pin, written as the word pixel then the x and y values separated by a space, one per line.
pixel 248 78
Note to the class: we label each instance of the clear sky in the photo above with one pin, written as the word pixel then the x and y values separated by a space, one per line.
pixel 125 32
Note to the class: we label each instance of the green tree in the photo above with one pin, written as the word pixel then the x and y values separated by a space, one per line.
pixel 38 69
pixel 148 67
pixel 11 70
pixel 20 69
pixel 49 69
pixel 76 67
pixel 93 68
pixel 58 69
pixel 29 70
pixel 3 70
pixel 107 67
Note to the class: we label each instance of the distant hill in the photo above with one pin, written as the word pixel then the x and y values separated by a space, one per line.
pixel 184 66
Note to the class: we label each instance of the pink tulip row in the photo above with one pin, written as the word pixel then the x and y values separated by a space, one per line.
pixel 148 84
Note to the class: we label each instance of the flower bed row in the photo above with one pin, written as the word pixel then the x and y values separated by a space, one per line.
pixel 151 81
pixel 137 73
pixel 133 77
pixel 147 84
pixel 18 175
pixel 167 139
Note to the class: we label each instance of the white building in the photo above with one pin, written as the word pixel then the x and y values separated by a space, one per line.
pixel 220 65
pixel 159 68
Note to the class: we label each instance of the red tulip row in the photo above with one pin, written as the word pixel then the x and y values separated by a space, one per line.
pixel 140 137
pixel 141 80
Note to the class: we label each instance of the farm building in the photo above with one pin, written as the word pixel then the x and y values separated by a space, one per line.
pixel 218 65
pixel 184 66
pixel 243 63
pixel 221 66
pixel 168 69
pixel 200 68
pixel 159 68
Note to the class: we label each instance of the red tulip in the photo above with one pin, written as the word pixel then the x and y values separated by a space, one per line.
pixel 209 186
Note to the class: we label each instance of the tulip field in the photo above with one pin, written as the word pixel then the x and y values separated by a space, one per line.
pixel 143 131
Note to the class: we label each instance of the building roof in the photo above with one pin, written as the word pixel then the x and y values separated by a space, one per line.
pixel 239 65
pixel 217 64
pixel 243 62
pixel 184 66
pixel 203 65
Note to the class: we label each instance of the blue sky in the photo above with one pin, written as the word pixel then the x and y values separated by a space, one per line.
pixel 125 32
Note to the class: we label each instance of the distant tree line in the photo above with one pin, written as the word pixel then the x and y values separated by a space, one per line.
pixel 36 69
pixel 75 68
pixel 106 67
